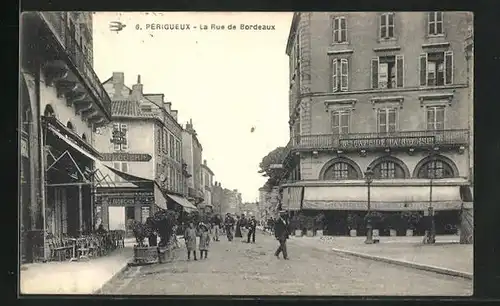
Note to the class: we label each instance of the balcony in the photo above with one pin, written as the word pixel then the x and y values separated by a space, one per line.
pixel 378 141
pixel 70 71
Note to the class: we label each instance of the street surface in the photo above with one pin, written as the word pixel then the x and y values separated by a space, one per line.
pixel 236 268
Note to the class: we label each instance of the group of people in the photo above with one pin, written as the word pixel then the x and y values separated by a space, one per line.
pixel 211 231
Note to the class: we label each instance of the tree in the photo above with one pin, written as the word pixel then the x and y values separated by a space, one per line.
pixel 274 157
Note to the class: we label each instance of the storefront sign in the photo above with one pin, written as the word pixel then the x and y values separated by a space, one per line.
pixel 127 199
pixel 24 147
pixel 131 157
pixel 389 142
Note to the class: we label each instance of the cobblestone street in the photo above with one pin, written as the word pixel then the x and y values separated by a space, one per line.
pixel 236 268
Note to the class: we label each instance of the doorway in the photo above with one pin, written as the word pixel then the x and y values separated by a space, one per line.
pixel 129 218
pixel 116 218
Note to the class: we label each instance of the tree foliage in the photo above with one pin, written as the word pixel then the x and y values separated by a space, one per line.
pixel 274 157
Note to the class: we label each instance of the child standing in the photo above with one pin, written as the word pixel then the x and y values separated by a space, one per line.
pixel 204 240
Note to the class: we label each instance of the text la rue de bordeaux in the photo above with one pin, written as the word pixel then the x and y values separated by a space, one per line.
pixel 205 27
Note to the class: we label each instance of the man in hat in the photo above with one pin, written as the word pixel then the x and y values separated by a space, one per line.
pixel 252 225
pixel 281 232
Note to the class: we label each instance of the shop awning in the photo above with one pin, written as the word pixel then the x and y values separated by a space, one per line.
pixel 292 198
pixel 71 143
pixel 384 198
pixel 129 177
pixel 160 199
pixel 188 206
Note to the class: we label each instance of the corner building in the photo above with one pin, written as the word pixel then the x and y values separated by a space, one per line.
pixel 386 90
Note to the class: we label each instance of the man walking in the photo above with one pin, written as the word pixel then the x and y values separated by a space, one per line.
pixel 252 225
pixel 281 230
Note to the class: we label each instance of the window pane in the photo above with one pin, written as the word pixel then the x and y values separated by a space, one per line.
pixel 375 73
pixel 440 114
pixel 343 35
pixel 432 17
pixel 391 31
pixel 439 28
pixel 383 70
pixel 342 24
pixel 392 116
pixel 383 20
pixel 391 19
pixel 344 119
pixel 439 16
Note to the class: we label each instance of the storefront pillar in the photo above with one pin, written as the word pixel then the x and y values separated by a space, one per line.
pixel 105 213
pixel 80 209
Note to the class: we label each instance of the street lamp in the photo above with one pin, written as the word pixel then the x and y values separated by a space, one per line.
pixel 430 236
pixel 369 226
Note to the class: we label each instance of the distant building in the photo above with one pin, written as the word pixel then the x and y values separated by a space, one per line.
pixel 207 177
pixel 142 156
pixel 231 202
pixel 250 209
pixel 192 152
pixel 217 198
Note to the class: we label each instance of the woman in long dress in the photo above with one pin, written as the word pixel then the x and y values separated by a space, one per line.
pixel 190 239
pixel 237 233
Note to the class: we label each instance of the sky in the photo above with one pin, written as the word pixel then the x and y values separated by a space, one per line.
pixel 226 81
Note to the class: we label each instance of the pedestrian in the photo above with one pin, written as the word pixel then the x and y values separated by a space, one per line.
pixel 281 232
pixel 228 225
pixel 215 228
pixel 204 240
pixel 237 232
pixel 190 239
pixel 252 225
pixel 152 236
pixel 175 242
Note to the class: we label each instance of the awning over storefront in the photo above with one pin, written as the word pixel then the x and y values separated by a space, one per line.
pixel 129 177
pixel 292 198
pixel 385 198
pixel 183 202
pixel 71 143
pixel 160 199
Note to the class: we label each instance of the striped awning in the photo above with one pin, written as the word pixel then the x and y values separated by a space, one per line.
pixel 383 198
pixel 292 198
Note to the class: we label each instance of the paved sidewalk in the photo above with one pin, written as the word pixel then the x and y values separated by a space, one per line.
pixel 82 277
pixel 445 254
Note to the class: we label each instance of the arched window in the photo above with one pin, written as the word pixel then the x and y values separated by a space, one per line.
pixel 49 111
pixel 435 168
pixel 389 168
pixel 69 125
pixel 341 171
pixel 84 137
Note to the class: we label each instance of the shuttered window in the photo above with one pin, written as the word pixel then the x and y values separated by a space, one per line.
pixel 386 119
pixel 340 75
pixel 339 30
pixel 387 25
pixel 435 23
pixel 340 121
pixel 124 130
pixel 435 118
pixel 387 72
pixel 436 69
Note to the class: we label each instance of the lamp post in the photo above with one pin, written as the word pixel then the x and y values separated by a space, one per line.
pixel 369 226
pixel 431 232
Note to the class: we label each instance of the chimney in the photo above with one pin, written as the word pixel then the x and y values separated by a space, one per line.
pixel 118 81
pixel 174 114
pixel 137 89
pixel 167 106
pixel 205 162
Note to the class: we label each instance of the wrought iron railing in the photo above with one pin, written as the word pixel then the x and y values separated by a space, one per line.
pixel 404 139
pixel 59 26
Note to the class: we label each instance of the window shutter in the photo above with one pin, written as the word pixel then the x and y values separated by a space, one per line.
pixel 431 23
pixel 116 127
pixel 423 69
pixel 343 30
pixel 448 66
pixel 439 118
pixel 336 30
pixel 344 122
pixel 124 130
pixel 374 78
pixel 399 71
pixel 382 120
pixel 336 122
pixel 392 120
pixel 334 75
pixel 430 118
pixel 390 25
pixel 344 74
pixel 383 29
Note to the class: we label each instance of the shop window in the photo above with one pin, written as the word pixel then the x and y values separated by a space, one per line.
pixel 340 121
pixel 340 75
pixel 340 171
pixel 436 169
pixel 386 120
pixel 436 68
pixel 339 30
pixel 435 118
pixel 387 72
pixel 387 25
pixel 435 24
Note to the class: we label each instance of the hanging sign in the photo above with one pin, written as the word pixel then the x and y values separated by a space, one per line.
pixel 131 157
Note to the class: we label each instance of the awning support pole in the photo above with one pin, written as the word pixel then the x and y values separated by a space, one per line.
pixel 77 167
pixel 55 162
pixel 80 207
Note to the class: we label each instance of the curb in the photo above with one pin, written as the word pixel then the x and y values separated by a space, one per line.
pixel 122 270
pixel 409 264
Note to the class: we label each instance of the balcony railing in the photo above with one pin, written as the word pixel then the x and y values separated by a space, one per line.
pixel 360 141
pixel 59 26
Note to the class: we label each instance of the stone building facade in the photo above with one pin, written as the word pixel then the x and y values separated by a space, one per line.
pixel 207 179
pixel 192 152
pixel 385 90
